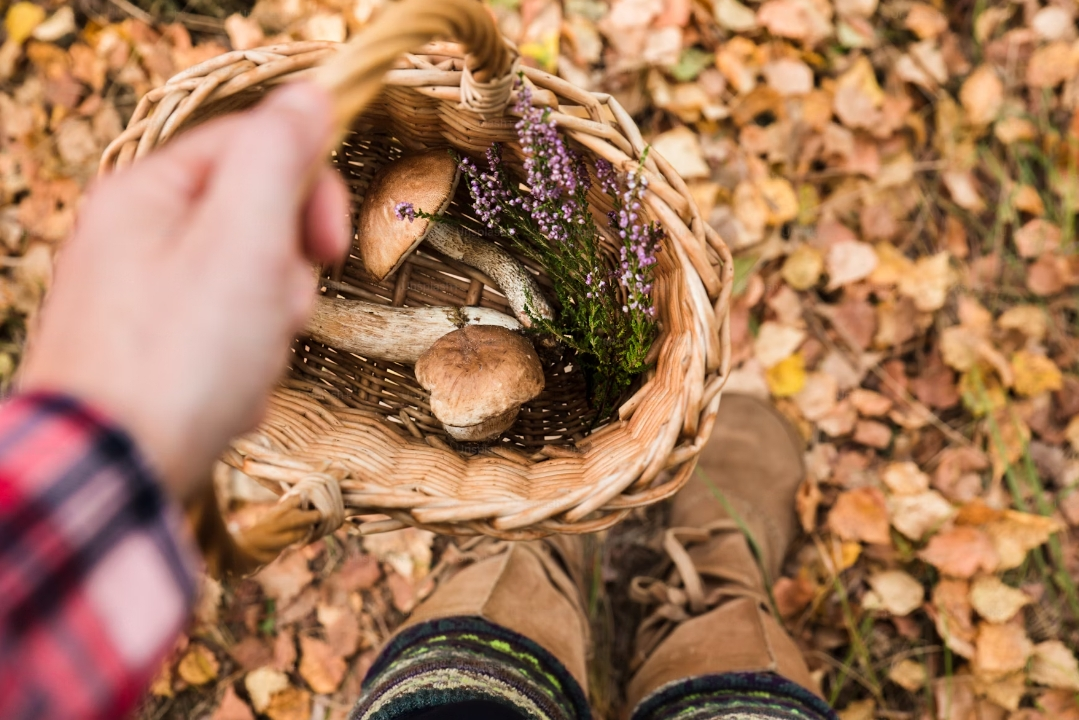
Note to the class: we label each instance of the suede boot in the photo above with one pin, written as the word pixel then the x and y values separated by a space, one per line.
pixel 531 588
pixel 712 613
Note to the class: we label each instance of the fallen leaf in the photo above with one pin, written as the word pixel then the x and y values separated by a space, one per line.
pixel 982 96
pixel 872 434
pixel 908 674
pixel 1051 65
pixel 859 710
pixel 916 515
pixel 776 342
pixel 262 684
pixel 1027 319
pixel 1001 649
pixel 735 16
pixel 961 552
pixel 198 666
pixel 682 149
pixel 895 591
pixel 861 515
pixel 320 667
pixel 407 551
pixel 963 189
pixel 818 397
pixel 1054 666
pixel 1036 237
pixel 1035 374
pixel 795 19
pixel 793 595
pixel 1047 275
pixel 953 616
pixel 285 577
pixel 787 377
pixel 869 403
pixel 925 21
pixel 21 19
pixel 232 707
pixel 290 704
pixel 1017 533
pixel 928 284
pixel 789 77
pixel 779 199
pixel 1000 691
pixel 849 261
pixel 995 601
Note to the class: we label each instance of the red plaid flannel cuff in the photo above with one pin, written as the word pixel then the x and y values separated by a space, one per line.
pixel 96 569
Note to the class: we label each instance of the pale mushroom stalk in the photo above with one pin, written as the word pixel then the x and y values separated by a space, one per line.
pixel 518 285
pixel 393 334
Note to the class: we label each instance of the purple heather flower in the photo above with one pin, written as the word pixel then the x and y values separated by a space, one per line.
pixel 404 210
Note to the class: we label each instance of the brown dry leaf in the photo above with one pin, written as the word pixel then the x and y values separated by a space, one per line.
pixel 982 96
pixel 849 261
pixel 1035 374
pixel 859 710
pixel 872 434
pixel 1000 691
pixel 776 342
pixel 818 397
pixel 1054 666
pixel 1027 319
pixel 995 601
pixel 916 515
pixel 929 282
pixel 895 591
pixel 1048 275
pixel 1011 130
pixel 795 19
pixel 262 684
pixel 793 595
pixel 963 189
pixel 1017 533
pixel 952 616
pixel 1001 649
pixel 1051 65
pixel 681 147
pixel 320 667
pixel 925 21
pixel 161 685
pixel 869 403
pixel 858 97
pixel 861 515
pixel 780 199
pixel 908 674
pixel 1028 200
pixel 1036 237
pixel 803 267
pixel 905 478
pixel 290 704
pixel 198 665
pixel 232 707
pixel 285 577
pixel 788 76
pixel 735 16
pixel 961 552
pixel 342 629
pixel 407 551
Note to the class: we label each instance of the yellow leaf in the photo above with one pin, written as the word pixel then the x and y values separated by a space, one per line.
pixel 198 665
pixel 544 51
pixel 803 267
pixel 780 199
pixel 1035 374
pixel 787 377
pixel 21 20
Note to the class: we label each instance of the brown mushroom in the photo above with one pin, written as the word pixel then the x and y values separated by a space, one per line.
pixel 428 181
pixel 478 377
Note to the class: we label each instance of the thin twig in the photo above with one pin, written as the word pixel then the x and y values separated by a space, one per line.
pixel 134 11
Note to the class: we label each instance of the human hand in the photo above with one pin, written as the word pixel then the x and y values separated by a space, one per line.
pixel 188 274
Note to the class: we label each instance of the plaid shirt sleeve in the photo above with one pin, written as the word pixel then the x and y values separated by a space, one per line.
pixel 96 570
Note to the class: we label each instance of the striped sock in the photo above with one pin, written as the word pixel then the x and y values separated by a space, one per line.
pixel 733 696
pixel 442 663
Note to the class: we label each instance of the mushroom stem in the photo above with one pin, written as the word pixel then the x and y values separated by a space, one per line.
pixel 393 334
pixel 516 283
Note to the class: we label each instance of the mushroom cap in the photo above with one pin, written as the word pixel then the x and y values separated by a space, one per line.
pixel 477 373
pixel 428 181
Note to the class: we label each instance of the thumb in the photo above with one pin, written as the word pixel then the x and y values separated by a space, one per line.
pixel 267 169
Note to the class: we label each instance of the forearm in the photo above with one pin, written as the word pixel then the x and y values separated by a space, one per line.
pixel 96 574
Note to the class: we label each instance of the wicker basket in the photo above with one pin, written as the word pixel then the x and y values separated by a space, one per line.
pixel 352 437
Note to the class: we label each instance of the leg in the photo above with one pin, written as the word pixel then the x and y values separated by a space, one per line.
pixel 712 648
pixel 504 638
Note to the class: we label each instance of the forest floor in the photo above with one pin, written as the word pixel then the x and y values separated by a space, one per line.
pixel 898 183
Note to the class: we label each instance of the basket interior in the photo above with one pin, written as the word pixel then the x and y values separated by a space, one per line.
pixel 560 416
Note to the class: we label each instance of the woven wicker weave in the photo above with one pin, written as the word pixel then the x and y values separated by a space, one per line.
pixel 341 421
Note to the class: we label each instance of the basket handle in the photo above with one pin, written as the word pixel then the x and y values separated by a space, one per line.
pixel 353 75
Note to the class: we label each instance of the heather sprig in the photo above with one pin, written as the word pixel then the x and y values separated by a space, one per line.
pixel 607 313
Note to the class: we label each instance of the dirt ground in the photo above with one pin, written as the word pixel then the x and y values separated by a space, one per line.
pixel 898 183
